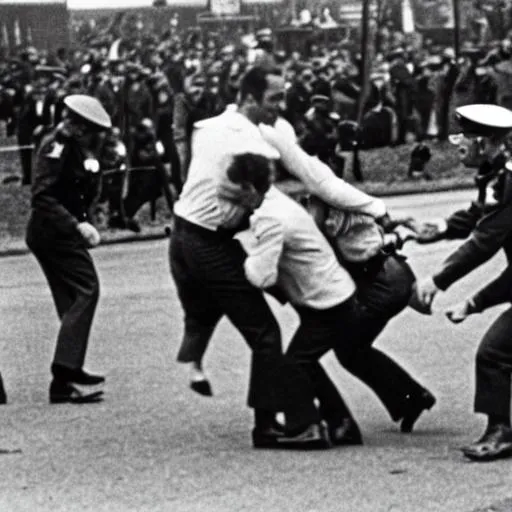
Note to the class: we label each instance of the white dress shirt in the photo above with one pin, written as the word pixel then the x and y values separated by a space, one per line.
pixel 285 247
pixel 214 143
pixel 318 178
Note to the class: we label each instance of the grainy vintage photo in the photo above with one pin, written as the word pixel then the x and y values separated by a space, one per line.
pixel 255 255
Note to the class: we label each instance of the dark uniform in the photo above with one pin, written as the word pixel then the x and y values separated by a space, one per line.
pixel 490 234
pixel 66 182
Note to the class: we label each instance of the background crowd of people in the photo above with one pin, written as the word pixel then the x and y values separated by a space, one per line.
pixel 156 86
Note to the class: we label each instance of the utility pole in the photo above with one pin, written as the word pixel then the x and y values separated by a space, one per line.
pixel 456 28
pixel 365 58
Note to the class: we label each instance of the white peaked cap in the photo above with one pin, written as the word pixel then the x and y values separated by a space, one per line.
pixel 89 108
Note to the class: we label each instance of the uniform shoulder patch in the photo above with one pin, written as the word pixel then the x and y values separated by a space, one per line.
pixel 55 150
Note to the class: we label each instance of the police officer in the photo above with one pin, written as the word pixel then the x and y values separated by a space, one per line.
pixel 59 233
pixel 489 126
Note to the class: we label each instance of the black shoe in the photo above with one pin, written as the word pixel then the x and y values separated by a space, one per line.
pixel 63 392
pixel 116 222
pixel 3 395
pixel 79 376
pixel 347 433
pixel 415 405
pixel 202 387
pixel 132 225
pixel 313 437
pixel 495 444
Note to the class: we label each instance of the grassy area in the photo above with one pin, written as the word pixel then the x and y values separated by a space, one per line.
pixel 385 172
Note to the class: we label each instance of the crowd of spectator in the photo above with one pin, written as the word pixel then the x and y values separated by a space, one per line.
pixel 155 87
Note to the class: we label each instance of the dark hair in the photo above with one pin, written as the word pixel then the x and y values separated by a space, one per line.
pixel 251 168
pixel 255 82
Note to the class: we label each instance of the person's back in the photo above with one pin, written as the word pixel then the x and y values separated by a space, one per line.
pixel 290 243
pixel 210 157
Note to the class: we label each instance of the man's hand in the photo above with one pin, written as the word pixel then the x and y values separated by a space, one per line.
pixel 405 233
pixel 431 231
pixel 425 291
pixel 246 196
pixel 89 233
pixel 459 312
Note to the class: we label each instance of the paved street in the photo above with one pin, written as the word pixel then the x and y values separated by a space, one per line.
pixel 153 445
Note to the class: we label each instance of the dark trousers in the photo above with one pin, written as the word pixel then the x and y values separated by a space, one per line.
pixel 74 284
pixel 144 186
pixel 25 139
pixel 320 331
pixel 207 268
pixel 383 290
pixel 493 368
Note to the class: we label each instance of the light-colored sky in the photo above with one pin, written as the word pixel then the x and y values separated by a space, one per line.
pixel 112 4
pixel 95 4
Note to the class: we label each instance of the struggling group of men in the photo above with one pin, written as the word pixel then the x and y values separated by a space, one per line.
pixel 236 235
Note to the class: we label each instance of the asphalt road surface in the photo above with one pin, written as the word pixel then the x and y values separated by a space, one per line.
pixel 153 445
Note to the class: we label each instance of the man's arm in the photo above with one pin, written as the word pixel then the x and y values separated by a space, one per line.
pixel 487 238
pixel 319 178
pixel 496 292
pixel 264 251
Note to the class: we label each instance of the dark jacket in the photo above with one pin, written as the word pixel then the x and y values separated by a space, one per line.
pixel 63 190
pixel 492 232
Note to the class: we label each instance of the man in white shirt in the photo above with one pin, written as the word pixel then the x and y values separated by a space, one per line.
pixel 207 264
pixel 286 249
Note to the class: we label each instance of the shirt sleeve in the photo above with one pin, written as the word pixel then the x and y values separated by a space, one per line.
pixel 319 179
pixel 487 238
pixel 262 262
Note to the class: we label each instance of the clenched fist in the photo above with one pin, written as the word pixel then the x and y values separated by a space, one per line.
pixel 89 233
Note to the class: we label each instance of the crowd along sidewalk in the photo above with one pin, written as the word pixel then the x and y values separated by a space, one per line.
pixel 15 245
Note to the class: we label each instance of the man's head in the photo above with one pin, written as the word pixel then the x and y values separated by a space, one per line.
pixel 262 95
pixel 251 171
pixel 195 86
pixel 484 130
pixel 85 118
pixel 307 78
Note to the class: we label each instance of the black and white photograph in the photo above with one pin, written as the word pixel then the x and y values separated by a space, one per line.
pixel 255 255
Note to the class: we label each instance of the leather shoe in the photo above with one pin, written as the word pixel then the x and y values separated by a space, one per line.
pixel 202 387
pixel 495 444
pixel 63 392
pixel 347 433
pixel 76 376
pixel 415 405
pixel 133 225
pixel 313 437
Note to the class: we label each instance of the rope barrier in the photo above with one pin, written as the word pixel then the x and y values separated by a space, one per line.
pixel 106 172
pixel 7 149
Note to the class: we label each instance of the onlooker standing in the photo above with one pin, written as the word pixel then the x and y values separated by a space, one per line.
pixel 190 106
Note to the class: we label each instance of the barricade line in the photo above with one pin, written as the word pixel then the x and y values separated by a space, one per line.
pixel 7 149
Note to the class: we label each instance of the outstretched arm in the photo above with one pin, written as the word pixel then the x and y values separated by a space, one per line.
pixel 319 179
